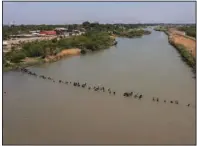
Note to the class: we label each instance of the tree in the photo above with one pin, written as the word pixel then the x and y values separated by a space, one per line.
pixel 86 24
pixel 17 57
pixel 54 40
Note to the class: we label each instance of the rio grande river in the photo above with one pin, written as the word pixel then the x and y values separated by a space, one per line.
pixel 37 111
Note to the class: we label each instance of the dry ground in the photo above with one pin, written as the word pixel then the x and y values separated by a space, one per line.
pixel 179 38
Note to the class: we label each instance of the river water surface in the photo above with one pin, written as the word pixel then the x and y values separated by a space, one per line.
pixel 37 111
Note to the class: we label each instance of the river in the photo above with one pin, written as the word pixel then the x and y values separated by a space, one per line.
pixel 37 111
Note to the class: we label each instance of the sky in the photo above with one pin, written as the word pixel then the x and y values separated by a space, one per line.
pixel 102 12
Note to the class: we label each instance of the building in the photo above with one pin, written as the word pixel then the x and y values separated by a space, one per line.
pixel 61 29
pixel 48 32
pixel 35 34
pixel 34 31
pixel 77 32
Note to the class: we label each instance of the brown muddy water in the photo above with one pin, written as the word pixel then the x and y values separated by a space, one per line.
pixel 37 111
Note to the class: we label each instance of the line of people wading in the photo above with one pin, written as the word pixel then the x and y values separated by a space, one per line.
pixel 96 88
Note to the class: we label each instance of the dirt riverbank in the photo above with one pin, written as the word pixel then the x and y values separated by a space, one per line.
pixel 185 45
pixel 63 53
pixel 180 38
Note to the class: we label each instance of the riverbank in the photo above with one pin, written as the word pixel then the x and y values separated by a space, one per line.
pixel 186 55
pixel 62 54
pixel 179 37
pixel 39 52
pixel 183 44
pixel 46 51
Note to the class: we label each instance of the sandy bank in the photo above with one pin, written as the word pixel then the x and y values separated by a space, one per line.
pixel 63 53
pixel 187 42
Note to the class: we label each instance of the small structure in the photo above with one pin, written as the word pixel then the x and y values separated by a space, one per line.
pixel 34 31
pixel 61 29
pixel 35 34
pixel 77 32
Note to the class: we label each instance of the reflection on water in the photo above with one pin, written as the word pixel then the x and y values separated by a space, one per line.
pixel 36 111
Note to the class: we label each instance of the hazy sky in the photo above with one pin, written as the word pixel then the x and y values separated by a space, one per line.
pixel 103 12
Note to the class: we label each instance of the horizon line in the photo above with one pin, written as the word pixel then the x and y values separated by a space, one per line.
pixel 105 23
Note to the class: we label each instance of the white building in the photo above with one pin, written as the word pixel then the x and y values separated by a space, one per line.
pixel 34 31
pixel 61 29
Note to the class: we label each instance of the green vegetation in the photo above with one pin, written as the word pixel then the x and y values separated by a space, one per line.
pixel 132 33
pixel 97 37
pixel 160 28
pixel 186 56
pixel 95 26
pixel 91 41
pixel 189 30
pixel 17 57
pixel 121 30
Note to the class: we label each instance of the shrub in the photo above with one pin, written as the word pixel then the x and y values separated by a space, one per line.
pixel 83 51
pixel 189 30
pixel 54 40
pixel 17 57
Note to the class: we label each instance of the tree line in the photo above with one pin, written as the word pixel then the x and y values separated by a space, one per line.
pixel 189 30
pixel 94 26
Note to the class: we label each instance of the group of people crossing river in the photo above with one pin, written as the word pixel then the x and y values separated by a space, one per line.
pixel 96 88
